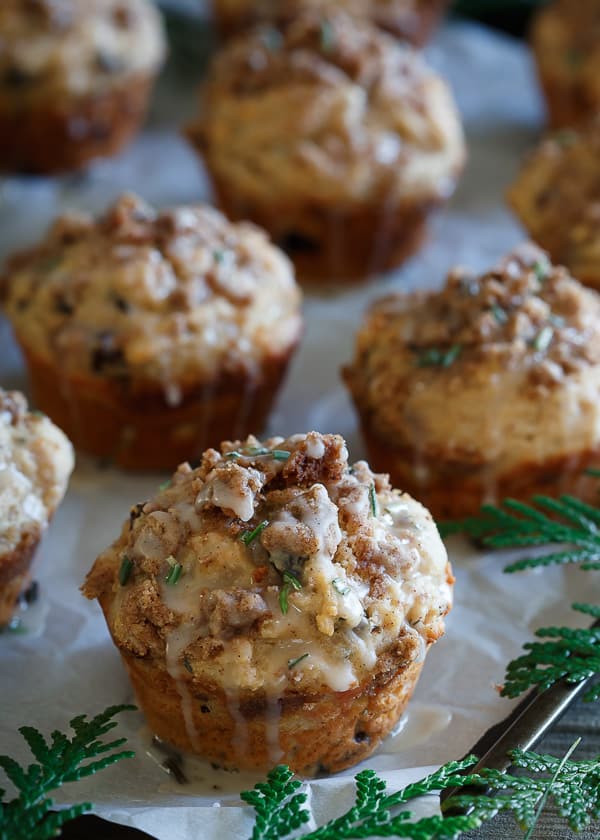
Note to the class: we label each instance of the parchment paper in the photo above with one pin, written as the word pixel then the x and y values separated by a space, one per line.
pixel 65 664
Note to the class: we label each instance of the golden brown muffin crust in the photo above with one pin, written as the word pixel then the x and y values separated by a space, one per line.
pixel 557 198
pixel 330 109
pixel 491 374
pixel 413 19
pixel 166 297
pixel 53 47
pixel 565 37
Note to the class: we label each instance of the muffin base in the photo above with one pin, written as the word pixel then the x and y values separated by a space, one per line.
pixel 324 732
pixel 453 489
pixel 137 427
pixel 63 134
pixel 416 28
pixel 566 104
pixel 349 245
pixel 15 574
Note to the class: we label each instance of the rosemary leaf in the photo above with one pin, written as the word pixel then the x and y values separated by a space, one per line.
pixel 373 501
pixel 125 570
pixel 249 536
pixel 290 581
pixel 174 574
pixel 293 662
pixel 436 357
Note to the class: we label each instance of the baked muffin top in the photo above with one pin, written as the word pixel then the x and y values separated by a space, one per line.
pixel 173 296
pixel 386 13
pixel 36 460
pixel 566 39
pixel 498 366
pixel 275 565
pixel 50 46
pixel 329 108
pixel 557 197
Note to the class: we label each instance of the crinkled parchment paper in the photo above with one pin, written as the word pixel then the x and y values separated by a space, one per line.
pixel 65 664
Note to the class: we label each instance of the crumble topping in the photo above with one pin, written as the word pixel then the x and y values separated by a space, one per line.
pixel 284 546
pixel 499 370
pixel 169 296
pixel 51 46
pixel 329 107
pixel 36 460
pixel 557 197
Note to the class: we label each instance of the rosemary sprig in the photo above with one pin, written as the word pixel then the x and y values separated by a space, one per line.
pixel 293 662
pixel 499 313
pixel 290 581
pixel 373 501
pixel 125 570
pixel 174 574
pixel 439 357
pixel 59 760
pixel 340 587
pixel 249 536
pixel 543 339
pixel 258 452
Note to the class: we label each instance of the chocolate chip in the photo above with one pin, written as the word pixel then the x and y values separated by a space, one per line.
pixel 32 593
pixel 14 77
pixel 297 243
pixel 106 353
pixel 121 304
pixel 359 737
pixel 63 306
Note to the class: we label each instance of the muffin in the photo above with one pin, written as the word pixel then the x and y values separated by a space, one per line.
pixel 566 42
pixel 75 78
pixel 151 334
pixel 414 20
pixel 557 198
pixel 36 460
pixel 275 604
pixel 486 389
pixel 335 137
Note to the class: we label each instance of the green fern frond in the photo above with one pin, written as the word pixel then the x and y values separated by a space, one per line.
pixel 60 760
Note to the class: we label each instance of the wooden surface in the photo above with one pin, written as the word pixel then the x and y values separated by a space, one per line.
pixel 581 721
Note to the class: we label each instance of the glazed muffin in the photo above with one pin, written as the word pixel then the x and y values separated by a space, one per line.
pixel 414 20
pixel 275 604
pixel 486 389
pixel 150 334
pixel 566 42
pixel 36 460
pixel 557 198
pixel 333 136
pixel 74 79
